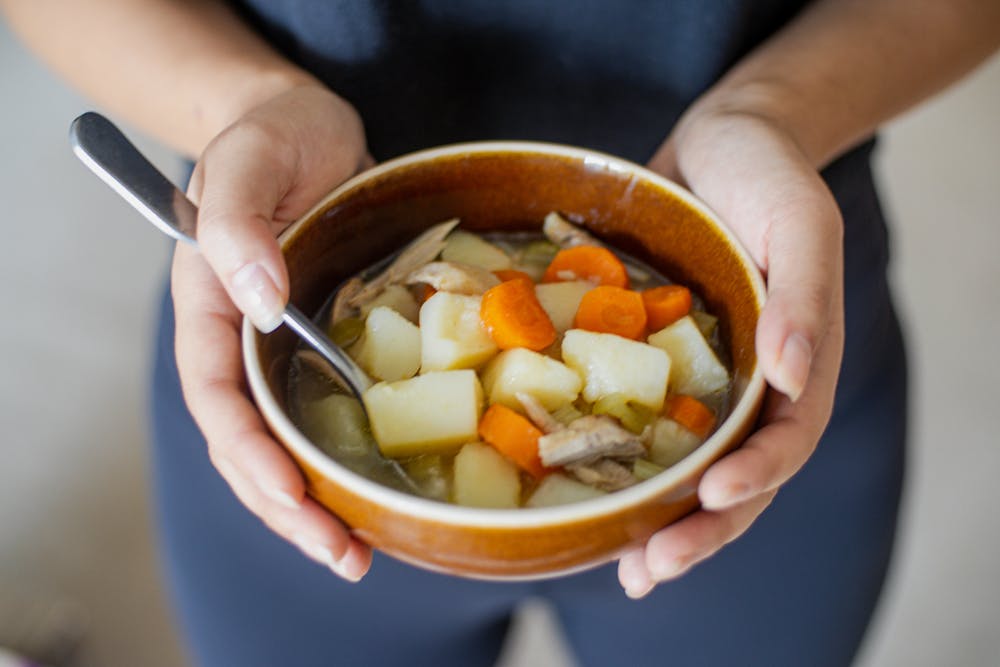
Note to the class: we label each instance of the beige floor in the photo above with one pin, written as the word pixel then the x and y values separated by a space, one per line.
pixel 80 271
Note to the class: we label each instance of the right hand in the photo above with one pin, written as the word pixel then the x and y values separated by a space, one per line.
pixel 257 176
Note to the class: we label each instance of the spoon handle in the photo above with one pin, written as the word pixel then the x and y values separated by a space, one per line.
pixel 108 153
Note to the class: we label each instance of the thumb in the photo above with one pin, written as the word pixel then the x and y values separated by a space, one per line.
pixel 238 184
pixel 804 275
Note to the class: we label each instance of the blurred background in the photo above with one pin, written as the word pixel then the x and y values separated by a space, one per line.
pixel 81 272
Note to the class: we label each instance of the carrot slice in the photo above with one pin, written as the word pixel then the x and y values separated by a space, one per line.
pixel 514 317
pixel 587 262
pixel 513 436
pixel 613 310
pixel 666 304
pixel 512 274
pixel 690 413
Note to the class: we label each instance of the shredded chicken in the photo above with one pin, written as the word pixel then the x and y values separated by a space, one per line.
pixel 419 252
pixel 588 439
pixel 605 474
pixel 538 414
pixel 565 234
pixel 453 277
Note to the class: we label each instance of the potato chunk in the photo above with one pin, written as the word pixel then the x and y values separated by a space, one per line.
pixel 484 478
pixel 552 383
pixel 561 301
pixel 469 248
pixel 671 442
pixel 558 489
pixel 610 364
pixel 452 334
pixel 695 370
pixel 389 348
pixel 428 414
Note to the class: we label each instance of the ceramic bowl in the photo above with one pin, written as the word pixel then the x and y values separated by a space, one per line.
pixel 511 186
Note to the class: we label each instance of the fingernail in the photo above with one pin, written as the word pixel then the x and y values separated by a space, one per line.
pixel 282 498
pixel 731 494
pixel 636 581
pixel 317 552
pixel 258 298
pixel 340 569
pixel 793 366
pixel 343 569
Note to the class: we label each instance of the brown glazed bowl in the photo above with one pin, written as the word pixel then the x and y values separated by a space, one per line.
pixel 511 186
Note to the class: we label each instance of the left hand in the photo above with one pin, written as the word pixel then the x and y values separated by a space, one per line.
pixel 752 173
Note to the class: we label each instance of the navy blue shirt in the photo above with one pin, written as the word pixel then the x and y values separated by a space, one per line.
pixel 613 76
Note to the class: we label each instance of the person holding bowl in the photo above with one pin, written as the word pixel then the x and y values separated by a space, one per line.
pixel 765 110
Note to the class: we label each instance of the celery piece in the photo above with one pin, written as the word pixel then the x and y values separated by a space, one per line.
pixel 643 469
pixel 538 252
pixel 633 416
pixel 706 323
pixel 567 414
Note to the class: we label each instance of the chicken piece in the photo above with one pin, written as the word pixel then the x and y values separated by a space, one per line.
pixel 565 234
pixel 341 303
pixel 420 251
pixel 453 277
pixel 605 474
pixel 537 413
pixel 588 439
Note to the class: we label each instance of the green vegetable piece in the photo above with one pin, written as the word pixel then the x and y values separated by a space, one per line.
pixel 539 252
pixel 566 414
pixel 633 416
pixel 643 469
pixel 706 323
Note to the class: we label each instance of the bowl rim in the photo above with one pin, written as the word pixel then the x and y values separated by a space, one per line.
pixel 527 517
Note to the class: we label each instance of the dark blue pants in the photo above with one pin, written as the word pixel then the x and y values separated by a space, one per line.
pixel 796 590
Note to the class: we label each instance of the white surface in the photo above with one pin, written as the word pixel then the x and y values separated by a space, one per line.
pixel 81 271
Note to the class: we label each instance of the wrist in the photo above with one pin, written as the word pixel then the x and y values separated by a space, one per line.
pixel 772 103
pixel 253 90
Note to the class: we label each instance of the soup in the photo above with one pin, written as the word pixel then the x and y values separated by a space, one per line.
pixel 514 370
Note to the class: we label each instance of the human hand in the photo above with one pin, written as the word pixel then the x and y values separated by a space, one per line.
pixel 753 174
pixel 257 176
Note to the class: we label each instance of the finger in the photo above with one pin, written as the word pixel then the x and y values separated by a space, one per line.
pixel 211 369
pixel 664 161
pixel 759 182
pixel 804 274
pixel 678 547
pixel 788 438
pixel 261 474
pixel 239 182
pixel 633 574
pixel 310 527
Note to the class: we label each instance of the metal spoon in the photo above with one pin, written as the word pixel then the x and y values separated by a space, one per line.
pixel 109 154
